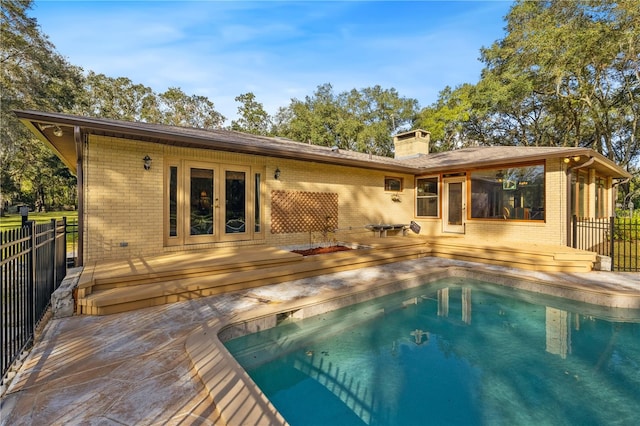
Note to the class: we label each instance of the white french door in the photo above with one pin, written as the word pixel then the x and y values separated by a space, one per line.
pixel 209 202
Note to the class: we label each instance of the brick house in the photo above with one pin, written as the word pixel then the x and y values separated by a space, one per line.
pixel 147 189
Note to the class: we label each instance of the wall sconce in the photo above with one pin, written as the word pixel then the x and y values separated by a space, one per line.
pixel 147 162
pixel 575 159
pixel 276 175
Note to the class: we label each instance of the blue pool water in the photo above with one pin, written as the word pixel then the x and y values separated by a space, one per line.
pixel 452 352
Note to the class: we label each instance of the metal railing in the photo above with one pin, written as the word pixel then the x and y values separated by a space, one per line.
pixel 32 266
pixel 615 237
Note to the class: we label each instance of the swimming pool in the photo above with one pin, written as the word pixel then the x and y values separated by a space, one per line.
pixel 456 351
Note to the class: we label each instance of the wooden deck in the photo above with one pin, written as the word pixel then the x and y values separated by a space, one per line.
pixel 111 287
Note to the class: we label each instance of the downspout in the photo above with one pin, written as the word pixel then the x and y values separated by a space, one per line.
pixel 77 136
pixel 568 172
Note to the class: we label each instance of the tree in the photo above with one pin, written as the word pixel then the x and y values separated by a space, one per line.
pixel 359 120
pixel 179 109
pixel 446 117
pixel 33 76
pixel 253 118
pixel 566 74
pixel 117 98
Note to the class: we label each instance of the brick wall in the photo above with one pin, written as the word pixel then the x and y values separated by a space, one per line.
pixel 124 204
pixel 551 231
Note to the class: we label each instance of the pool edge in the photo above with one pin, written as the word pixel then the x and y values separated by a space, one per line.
pixel 240 401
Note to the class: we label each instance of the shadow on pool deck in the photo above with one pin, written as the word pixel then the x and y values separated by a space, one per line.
pixel 133 367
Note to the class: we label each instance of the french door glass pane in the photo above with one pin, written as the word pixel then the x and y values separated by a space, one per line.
pixel 173 201
pixel 455 203
pixel 201 201
pixel 235 205
pixel 256 207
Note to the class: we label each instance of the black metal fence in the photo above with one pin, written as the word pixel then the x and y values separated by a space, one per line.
pixel 616 237
pixel 72 242
pixel 33 264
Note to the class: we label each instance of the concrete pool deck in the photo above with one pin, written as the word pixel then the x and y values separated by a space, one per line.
pixel 134 368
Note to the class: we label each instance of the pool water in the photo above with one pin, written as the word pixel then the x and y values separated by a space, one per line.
pixel 453 352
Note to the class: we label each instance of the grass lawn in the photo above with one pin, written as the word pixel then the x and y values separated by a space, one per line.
pixel 11 221
pixel 626 253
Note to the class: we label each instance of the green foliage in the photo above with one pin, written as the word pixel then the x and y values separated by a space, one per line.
pixel 360 120
pixel 566 74
pixel 444 119
pixel 253 118
pixel 121 99
pixel 33 76
pixel 627 228
pixel 179 109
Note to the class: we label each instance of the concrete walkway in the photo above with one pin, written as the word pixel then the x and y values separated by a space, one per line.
pixel 132 368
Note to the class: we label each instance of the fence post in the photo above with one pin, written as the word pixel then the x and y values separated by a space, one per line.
pixel 574 237
pixel 64 242
pixel 31 225
pixel 54 272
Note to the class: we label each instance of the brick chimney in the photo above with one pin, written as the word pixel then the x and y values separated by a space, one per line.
pixel 411 144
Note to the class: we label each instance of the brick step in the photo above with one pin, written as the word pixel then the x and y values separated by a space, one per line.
pixel 121 299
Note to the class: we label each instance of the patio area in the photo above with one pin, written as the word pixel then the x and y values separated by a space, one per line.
pixel 133 367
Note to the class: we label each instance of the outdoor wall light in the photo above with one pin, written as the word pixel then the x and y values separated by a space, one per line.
pixel 575 159
pixel 147 162
pixel 276 175
pixel 57 131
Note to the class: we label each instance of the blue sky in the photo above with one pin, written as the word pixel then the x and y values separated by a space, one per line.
pixel 278 50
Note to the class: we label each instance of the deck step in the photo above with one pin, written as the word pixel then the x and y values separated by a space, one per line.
pixel 121 299
pixel 108 288
pixel 533 257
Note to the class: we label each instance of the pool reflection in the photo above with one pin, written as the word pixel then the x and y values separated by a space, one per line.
pixel 467 352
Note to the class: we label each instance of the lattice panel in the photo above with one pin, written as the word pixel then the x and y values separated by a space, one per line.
pixel 296 211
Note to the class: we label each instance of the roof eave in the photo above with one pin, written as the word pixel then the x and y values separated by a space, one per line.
pixel 168 137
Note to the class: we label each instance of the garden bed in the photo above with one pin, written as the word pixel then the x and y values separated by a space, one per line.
pixel 321 250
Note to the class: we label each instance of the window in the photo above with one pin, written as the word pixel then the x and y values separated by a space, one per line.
pixel 235 216
pixel 427 197
pixel 515 193
pixel 256 207
pixel 173 201
pixel 393 184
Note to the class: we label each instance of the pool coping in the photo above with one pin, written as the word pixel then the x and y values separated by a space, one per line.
pixel 240 401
